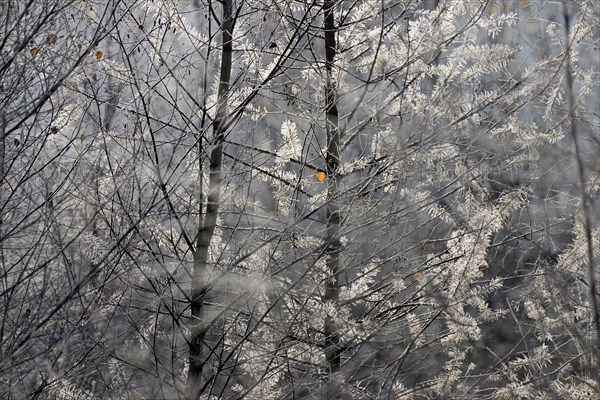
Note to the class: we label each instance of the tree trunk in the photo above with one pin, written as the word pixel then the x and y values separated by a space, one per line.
pixel 332 337
pixel 587 218
pixel 200 350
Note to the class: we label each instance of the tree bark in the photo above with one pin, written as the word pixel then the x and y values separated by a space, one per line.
pixel 587 218
pixel 331 295
pixel 200 350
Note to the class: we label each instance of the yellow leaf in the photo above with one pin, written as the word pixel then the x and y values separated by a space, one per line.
pixel 321 176
pixel 34 51
pixel 99 54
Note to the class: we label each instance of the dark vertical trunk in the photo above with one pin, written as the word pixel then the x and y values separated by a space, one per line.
pixel 2 184
pixel 332 337
pixel 199 350
pixel 592 273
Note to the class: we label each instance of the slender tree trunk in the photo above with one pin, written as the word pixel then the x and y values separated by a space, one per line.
pixel 332 337
pixel 587 218
pixel 199 350
pixel 2 184
pixel 2 151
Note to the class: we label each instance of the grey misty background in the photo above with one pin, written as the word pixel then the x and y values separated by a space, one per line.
pixel 467 250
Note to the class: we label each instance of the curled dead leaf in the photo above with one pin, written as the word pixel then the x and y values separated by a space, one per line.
pixel 51 38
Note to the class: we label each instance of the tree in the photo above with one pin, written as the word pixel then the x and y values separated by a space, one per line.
pixel 45 46
pixel 300 200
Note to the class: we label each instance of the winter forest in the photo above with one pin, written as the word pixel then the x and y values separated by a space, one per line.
pixel 299 199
